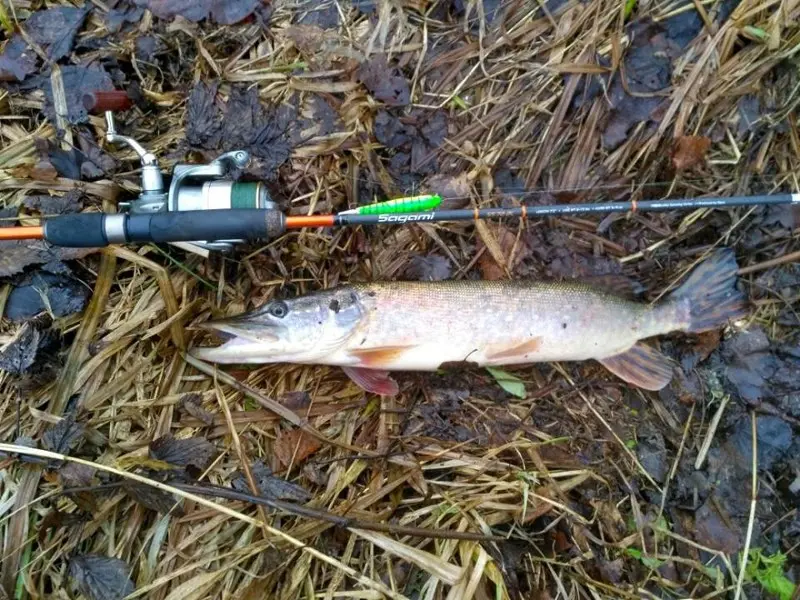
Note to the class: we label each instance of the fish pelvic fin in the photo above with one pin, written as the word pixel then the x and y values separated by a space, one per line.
pixel 373 380
pixel 378 357
pixel 515 350
pixel 709 295
pixel 641 366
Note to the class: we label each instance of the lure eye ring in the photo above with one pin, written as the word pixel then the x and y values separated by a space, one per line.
pixel 278 309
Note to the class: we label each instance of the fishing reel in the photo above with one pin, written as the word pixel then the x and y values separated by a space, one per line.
pixel 192 187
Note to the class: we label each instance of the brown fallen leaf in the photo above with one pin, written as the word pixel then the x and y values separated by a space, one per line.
pixel 297 400
pixel 488 264
pixel 689 151
pixel 15 255
pixel 714 529
pixel 63 435
pixel 385 81
pixel 101 577
pixel 454 190
pixel 76 475
pixel 188 452
pixel 192 404
pixel 55 520
pixel 706 343
pixel 294 446
pixel 153 498
pixel 269 485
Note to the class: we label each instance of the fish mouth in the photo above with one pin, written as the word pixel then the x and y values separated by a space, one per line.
pixel 238 342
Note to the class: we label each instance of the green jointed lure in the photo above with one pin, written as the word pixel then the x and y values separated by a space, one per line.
pixel 408 204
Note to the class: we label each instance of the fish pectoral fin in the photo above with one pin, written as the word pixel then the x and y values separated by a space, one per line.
pixel 512 350
pixel 641 366
pixel 373 381
pixel 378 357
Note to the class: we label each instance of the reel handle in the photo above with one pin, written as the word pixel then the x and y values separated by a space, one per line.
pixel 99 102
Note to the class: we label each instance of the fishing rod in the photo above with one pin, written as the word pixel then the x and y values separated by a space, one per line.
pixel 204 209
pixel 222 226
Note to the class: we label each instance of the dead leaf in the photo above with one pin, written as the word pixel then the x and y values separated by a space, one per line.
pixel 706 343
pixel 386 83
pixel 269 485
pixel 502 241
pixel 56 520
pixel 55 29
pixel 101 577
pixel 96 163
pixel 454 190
pixel 117 17
pixel 610 570
pixel 17 61
pixel 63 435
pixel 689 151
pixel 134 461
pixel 647 69
pixel 15 255
pixel 268 133
pixel 55 205
pixel 42 292
pixel 188 452
pixel 19 353
pixel 191 403
pixel 153 498
pixel 297 401
pixel 223 12
pixel 308 39
pixel 228 12
pixel 294 446
pixel 433 267
pixel 76 475
pixel 191 10
pixel 714 530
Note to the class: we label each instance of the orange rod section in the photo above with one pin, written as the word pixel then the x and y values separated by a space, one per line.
pixel 308 221
pixel 22 233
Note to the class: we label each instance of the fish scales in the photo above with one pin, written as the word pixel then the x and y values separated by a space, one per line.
pixel 465 321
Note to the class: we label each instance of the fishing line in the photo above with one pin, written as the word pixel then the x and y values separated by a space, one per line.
pixel 424 190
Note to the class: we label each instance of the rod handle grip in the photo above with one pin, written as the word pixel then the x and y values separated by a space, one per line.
pixel 95 230
pixel 205 225
pixel 83 230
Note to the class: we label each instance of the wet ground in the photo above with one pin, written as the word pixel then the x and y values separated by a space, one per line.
pixel 600 489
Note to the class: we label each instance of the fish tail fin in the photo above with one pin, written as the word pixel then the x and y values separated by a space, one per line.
pixel 709 294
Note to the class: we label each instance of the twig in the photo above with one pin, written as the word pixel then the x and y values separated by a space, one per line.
pixel 305 511
pixel 753 499
pixel 712 430
pixel 768 264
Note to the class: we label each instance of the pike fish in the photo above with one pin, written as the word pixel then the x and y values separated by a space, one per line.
pixel 373 329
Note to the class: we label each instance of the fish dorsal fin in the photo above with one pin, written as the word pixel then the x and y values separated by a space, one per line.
pixel 619 285
pixel 641 366
pixel 373 381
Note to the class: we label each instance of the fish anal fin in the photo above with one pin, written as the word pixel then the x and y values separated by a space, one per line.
pixel 378 357
pixel 641 366
pixel 618 285
pixel 512 350
pixel 373 380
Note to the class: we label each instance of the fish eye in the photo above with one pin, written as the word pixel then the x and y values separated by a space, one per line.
pixel 278 309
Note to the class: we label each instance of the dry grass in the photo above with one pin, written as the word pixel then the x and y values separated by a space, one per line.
pixel 552 474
